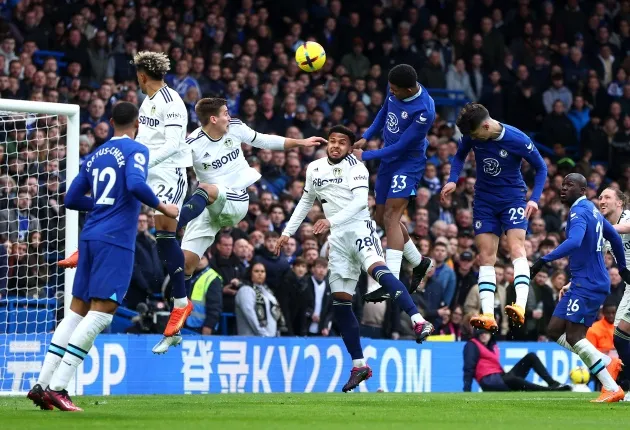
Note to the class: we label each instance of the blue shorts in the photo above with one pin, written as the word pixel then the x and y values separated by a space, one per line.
pixel 493 215
pixel 397 181
pixel 580 305
pixel 104 271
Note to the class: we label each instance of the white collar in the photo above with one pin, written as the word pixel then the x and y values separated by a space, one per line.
pixel 415 96
pixel 578 201
pixel 124 136
pixel 502 133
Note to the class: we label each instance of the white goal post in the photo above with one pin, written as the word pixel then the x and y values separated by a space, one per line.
pixel 39 140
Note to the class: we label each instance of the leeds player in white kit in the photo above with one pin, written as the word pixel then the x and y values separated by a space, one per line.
pixel 221 199
pixel 612 204
pixel 162 128
pixel 340 182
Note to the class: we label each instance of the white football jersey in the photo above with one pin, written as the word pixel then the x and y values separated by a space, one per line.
pixel 222 161
pixel 333 184
pixel 625 238
pixel 164 109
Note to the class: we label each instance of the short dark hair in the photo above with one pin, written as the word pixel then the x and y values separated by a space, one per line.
pixel 124 114
pixel 210 106
pixel 300 261
pixel 342 130
pixel 470 117
pixel 271 235
pixel 403 75
pixel 320 261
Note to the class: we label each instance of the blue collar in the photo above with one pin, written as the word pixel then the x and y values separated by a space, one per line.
pixel 415 96
pixel 578 201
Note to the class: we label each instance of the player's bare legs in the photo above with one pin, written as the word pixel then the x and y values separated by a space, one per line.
pixel 516 245
pixel 487 244
pixel 204 195
pixel 421 265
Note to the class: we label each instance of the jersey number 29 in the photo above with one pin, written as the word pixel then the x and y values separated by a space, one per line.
pixel 108 177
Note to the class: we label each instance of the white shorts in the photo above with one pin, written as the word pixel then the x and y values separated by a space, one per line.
pixel 353 246
pixel 228 210
pixel 623 310
pixel 169 184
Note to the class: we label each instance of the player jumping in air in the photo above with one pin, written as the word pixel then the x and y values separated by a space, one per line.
pixel 221 199
pixel 500 202
pixel 340 182
pixel 115 176
pixel 612 204
pixel 580 300
pixel 405 118
pixel 163 121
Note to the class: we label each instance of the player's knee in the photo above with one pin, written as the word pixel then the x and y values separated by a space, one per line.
pixel 342 297
pixel 191 261
pixel 530 356
pixel 212 191
pixel 573 338
pixel 553 333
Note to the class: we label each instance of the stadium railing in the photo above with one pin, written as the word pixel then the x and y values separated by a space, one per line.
pixel 450 98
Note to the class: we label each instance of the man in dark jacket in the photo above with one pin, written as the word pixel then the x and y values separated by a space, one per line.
pixel 481 362
pixel 229 267
pixel 320 299
pixel 276 266
pixel 206 296
pixel 293 297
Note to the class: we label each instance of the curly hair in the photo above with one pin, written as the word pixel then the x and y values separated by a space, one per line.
pixel 154 64
pixel 470 117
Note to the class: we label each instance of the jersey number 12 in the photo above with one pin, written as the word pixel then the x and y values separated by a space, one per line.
pixel 107 176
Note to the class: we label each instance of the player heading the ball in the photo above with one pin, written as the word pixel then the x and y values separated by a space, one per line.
pixel 500 203
pixel 115 178
pixel 340 182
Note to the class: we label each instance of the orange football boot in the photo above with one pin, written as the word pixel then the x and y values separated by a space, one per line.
pixel 609 396
pixel 485 322
pixel 177 319
pixel 70 262
pixel 516 314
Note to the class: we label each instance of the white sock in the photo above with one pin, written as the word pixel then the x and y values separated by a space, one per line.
pixel 359 362
pixel 393 258
pixel 417 318
pixel 521 280
pixel 487 286
pixel 57 347
pixel 180 303
pixel 594 360
pixel 411 254
pixel 562 341
pixel 78 347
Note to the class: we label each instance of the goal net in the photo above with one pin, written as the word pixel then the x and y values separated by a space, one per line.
pixel 39 155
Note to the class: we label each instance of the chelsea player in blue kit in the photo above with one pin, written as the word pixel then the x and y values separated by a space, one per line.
pixel 405 118
pixel 580 300
pixel 499 204
pixel 114 176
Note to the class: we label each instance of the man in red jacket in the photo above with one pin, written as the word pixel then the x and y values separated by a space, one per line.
pixel 481 362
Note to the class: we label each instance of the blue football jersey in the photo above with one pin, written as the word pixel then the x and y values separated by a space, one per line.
pixel 499 164
pixel 108 173
pixel 405 124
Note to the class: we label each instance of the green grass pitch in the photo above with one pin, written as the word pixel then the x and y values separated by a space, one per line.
pixel 487 411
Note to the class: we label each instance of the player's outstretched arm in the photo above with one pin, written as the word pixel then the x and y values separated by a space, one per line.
pixel 76 198
pixel 575 235
pixel 301 210
pixel 533 157
pixel 271 141
pixel 622 228
pixel 415 133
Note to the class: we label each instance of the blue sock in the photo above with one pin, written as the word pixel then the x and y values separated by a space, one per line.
pixel 172 256
pixel 621 340
pixel 395 288
pixel 193 207
pixel 348 327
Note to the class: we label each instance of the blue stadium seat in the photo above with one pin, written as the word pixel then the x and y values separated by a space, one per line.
pixel 122 319
pixel 224 322
pixel 32 315
pixel 40 56
pixel 443 97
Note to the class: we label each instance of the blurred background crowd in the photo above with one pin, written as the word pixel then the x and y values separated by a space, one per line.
pixel 557 70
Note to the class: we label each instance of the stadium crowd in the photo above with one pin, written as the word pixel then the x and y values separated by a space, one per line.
pixel 557 70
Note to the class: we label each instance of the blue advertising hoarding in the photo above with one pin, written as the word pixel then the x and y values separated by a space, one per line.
pixel 124 364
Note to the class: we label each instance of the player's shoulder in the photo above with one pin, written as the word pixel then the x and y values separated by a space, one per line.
pixel 625 217
pixel 514 136
pixel 316 165
pixel 196 136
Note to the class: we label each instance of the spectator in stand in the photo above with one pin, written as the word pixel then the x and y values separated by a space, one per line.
pixel 319 305
pixel 230 269
pixel 16 223
pixel 206 295
pixel 600 334
pixel 295 299
pixel 440 288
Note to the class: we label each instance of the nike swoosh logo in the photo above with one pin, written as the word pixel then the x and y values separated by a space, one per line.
pixel 569 314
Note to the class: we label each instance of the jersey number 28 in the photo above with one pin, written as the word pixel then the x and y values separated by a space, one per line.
pixel 106 176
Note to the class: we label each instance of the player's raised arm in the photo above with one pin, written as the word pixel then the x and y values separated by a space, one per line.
pixel 270 141
pixel 377 124
pixel 415 133
pixel 299 213
pixel 76 198
pixel 529 152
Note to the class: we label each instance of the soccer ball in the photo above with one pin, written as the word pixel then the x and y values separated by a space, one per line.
pixel 310 56
pixel 580 375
